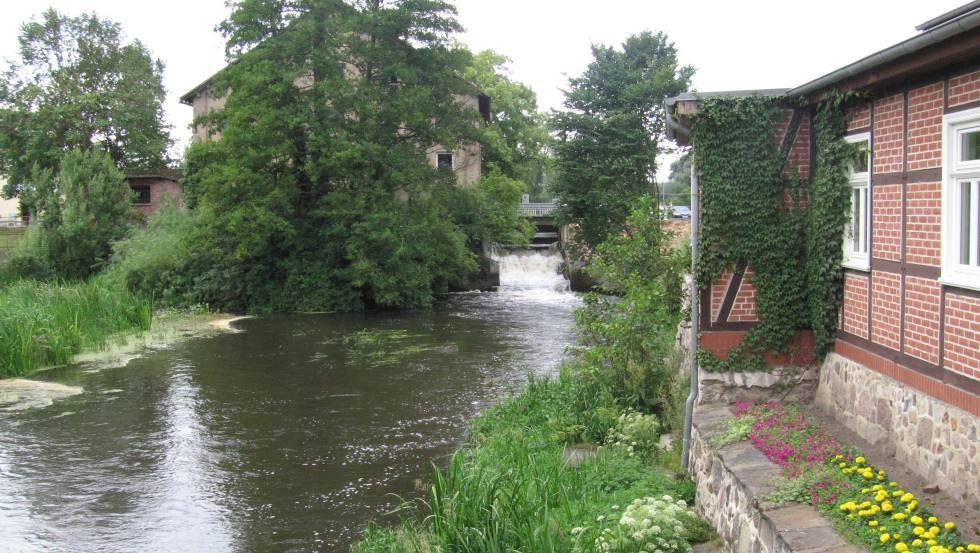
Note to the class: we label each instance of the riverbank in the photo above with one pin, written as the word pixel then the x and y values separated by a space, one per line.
pixel 524 484
pixel 166 328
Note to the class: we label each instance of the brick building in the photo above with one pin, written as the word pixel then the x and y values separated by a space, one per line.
pixel 905 370
pixel 152 191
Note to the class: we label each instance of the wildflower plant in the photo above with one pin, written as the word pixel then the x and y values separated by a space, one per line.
pixel 654 524
pixel 634 433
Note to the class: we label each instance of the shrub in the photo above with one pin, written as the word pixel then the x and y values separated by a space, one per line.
pixel 634 433
pixel 647 524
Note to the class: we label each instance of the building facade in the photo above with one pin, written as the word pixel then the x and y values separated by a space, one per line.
pixel 905 370
pixel 465 162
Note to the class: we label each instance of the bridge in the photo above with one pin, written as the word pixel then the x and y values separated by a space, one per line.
pixel 547 233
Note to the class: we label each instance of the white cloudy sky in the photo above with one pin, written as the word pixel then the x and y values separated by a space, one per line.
pixel 733 45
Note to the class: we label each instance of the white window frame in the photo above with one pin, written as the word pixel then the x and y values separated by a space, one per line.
pixel 956 172
pixel 860 259
pixel 452 158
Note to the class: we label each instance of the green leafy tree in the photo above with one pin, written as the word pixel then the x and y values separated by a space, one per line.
pixel 513 143
pixel 611 131
pixel 87 207
pixel 677 189
pixel 318 194
pixel 77 84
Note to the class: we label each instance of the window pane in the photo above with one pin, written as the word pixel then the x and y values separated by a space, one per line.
pixel 856 220
pixel 444 161
pixel 864 220
pixel 970 142
pixel 860 163
pixel 966 189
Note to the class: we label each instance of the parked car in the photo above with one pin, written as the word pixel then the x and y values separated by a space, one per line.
pixel 681 212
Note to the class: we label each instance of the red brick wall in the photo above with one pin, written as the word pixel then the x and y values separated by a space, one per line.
pixel 859 118
pixel 889 134
pixel 743 309
pixel 923 213
pixel 962 335
pixel 886 216
pixel 160 189
pixel 885 307
pixel 718 289
pixel 798 161
pixel 925 127
pixel 855 308
pixel 964 89
pixel 922 297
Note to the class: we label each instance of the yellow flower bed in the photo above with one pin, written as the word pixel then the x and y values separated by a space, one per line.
pixel 885 516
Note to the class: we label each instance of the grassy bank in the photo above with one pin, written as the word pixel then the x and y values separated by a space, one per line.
pixel 47 323
pixel 512 489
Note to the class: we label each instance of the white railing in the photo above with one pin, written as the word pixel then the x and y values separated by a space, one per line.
pixel 537 210
pixel 13 221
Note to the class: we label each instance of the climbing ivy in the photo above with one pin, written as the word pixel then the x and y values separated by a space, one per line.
pixel 828 216
pixel 756 214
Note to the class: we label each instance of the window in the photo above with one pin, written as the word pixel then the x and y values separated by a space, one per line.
pixel 141 194
pixel 961 199
pixel 444 161
pixel 857 238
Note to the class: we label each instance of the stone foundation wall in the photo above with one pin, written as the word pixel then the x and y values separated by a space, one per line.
pixel 934 439
pixel 782 384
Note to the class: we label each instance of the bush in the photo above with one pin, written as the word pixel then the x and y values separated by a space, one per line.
pixel 634 433
pixel 647 524
pixel 150 260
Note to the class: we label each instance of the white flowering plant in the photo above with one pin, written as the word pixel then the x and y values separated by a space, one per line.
pixel 651 524
pixel 634 433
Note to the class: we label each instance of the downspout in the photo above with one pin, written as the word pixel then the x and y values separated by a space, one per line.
pixel 695 316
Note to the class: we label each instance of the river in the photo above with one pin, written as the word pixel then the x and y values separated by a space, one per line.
pixel 290 435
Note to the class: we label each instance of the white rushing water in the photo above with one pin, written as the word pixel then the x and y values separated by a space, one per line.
pixel 529 270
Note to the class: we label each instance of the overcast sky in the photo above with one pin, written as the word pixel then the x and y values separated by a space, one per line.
pixel 733 45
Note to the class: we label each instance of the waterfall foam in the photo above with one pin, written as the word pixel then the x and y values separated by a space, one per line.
pixel 525 270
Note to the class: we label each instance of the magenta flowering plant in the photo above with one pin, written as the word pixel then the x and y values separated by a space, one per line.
pixel 787 436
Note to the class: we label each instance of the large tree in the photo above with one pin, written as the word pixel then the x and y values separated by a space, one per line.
pixel 78 84
pixel 611 131
pixel 513 142
pixel 318 192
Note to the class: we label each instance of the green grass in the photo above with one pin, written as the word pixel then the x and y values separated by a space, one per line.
pixel 510 490
pixel 47 323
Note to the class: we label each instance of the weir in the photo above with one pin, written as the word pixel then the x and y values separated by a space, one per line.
pixel 536 269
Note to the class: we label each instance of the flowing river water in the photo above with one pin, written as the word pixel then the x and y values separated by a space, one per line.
pixel 290 435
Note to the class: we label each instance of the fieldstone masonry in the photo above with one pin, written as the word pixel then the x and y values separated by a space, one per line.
pixel 933 439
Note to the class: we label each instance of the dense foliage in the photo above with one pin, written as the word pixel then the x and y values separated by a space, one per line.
pixel 677 189
pixel 611 131
pixel 318 195
pixel 78 84
pixel 627 329
pixel 755 214
pixel 85 206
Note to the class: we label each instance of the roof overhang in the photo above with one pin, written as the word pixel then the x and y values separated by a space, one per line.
pixel 679 109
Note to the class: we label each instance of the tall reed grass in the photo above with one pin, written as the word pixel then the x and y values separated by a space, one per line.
pixel 46 323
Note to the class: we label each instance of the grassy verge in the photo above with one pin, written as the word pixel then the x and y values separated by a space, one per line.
pixel 47 323
pixel 512 489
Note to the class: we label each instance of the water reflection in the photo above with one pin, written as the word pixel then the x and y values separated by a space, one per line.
pixel 289 436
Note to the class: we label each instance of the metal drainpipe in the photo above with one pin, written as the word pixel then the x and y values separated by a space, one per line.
pixel 695 315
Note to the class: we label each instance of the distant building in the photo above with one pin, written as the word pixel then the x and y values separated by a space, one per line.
pixel 153 190
pixel 9 209
pixel 465 163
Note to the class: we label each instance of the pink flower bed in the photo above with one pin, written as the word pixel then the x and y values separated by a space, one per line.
pixel 785 435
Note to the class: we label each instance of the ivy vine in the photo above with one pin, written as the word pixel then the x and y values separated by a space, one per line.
pixel 787 229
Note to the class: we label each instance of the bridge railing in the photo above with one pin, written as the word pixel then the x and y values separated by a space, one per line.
pixel 537 209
